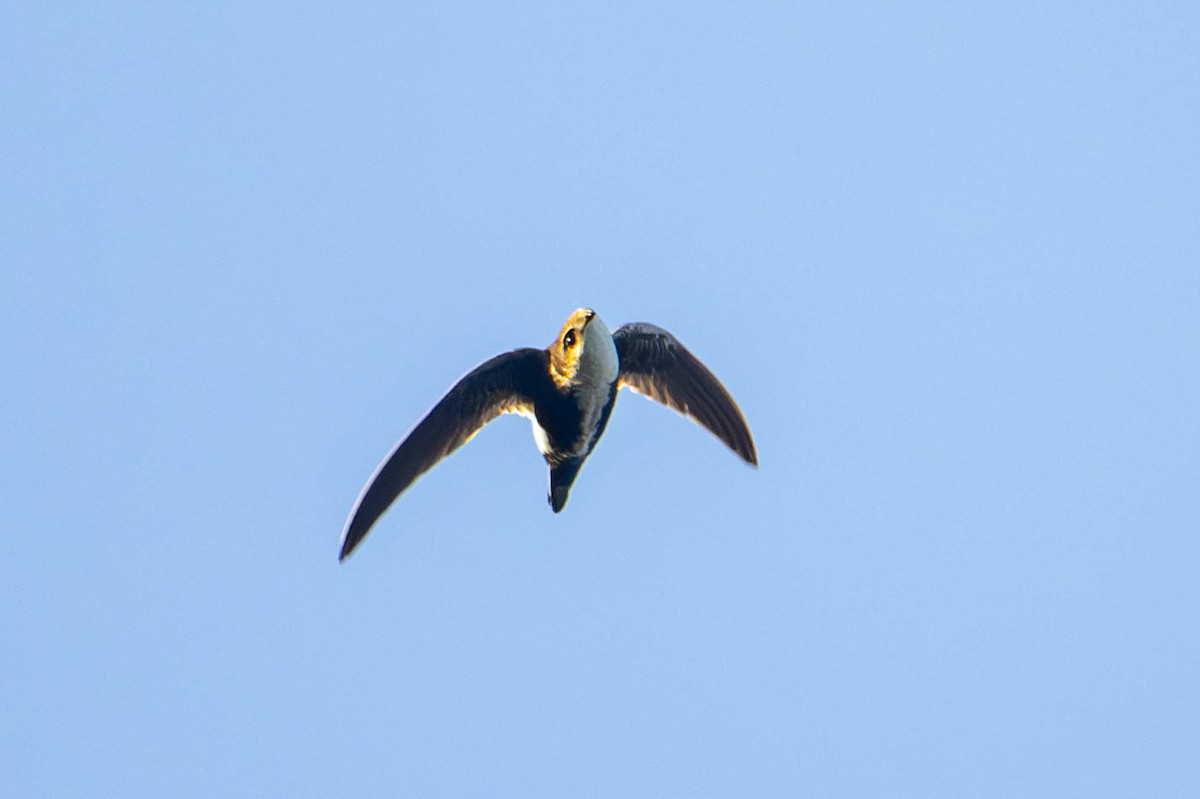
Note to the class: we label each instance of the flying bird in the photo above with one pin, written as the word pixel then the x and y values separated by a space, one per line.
pixel 567 390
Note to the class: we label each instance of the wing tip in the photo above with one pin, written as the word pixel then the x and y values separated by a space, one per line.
pixel 352 535
pixel 345 548
pixel 744 449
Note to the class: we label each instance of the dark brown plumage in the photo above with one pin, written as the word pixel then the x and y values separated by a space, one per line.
pixel 568 390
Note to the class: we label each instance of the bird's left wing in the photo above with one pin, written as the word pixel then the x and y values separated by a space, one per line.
pixel 654 363
pixel 501 385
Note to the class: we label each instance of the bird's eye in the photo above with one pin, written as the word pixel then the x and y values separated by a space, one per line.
pixel 569 339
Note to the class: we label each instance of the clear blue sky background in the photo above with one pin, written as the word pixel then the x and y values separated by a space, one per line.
pixel 944 257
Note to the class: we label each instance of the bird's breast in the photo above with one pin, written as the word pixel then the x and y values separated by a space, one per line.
pixel 567 424
pixel 595 404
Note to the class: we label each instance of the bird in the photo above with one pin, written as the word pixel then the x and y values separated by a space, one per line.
pixel 567 390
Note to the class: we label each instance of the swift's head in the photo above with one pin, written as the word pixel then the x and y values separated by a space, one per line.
pixel 583 352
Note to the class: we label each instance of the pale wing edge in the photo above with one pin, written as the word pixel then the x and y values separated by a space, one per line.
pixel 500 385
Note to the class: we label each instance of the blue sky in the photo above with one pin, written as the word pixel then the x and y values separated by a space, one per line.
pixel 944 257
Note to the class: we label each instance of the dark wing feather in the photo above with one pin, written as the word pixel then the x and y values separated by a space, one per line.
pixel 655 364
pixel 502 385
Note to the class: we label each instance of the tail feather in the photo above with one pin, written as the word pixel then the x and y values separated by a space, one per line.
pixel 561 478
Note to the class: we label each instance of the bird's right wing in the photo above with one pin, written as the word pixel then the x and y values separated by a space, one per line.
pixel 655 364
pixel 501 385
